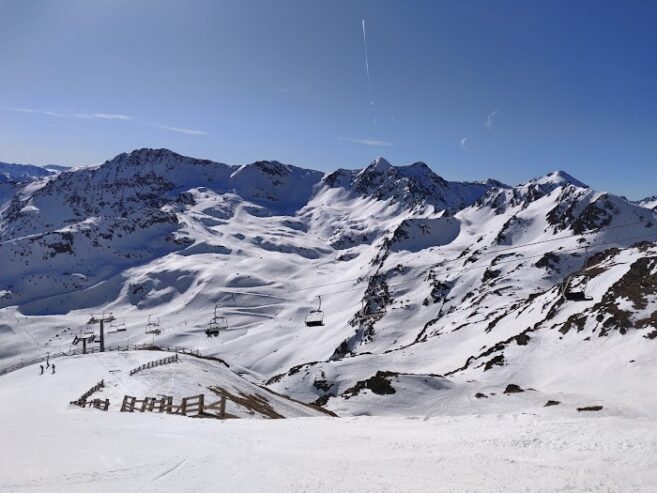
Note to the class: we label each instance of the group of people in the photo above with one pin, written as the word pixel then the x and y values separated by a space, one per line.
pixel 48 365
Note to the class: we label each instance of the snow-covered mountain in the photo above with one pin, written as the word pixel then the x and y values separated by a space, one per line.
pixel 649 202
pixel 22 172
pixel 436 295
pixel 14 177
pixel 413 186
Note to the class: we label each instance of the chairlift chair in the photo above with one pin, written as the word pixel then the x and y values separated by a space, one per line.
pixel 315 318
pixel 88 338
pixel 153 327
pixel 217 324
pixel 222 323
pixel 212 330
pixel 113 329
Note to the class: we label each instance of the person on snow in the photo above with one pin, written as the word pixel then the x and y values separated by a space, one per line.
pixel 53 368
pixel 41 370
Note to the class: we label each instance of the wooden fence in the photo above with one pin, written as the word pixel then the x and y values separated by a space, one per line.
pixel 34 361
pixel 82 401
pixel 74 352
pixel 153 364
pixel 102 404
pixel 189 406
pixel 152 347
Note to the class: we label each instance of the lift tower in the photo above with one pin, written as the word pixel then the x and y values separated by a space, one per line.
pixel 104 318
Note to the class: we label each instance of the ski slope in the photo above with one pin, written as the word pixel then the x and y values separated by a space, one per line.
pixel 51 446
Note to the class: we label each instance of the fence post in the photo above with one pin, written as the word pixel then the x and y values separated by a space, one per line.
pixel 128 405
pixel 222 406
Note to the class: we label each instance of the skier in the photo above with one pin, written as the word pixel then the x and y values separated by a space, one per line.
pixel 53 368
pixel 41 370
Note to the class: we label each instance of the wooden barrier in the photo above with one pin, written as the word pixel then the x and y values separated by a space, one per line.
pixel 189 406
pixel 152 364
pixel 102 404
pixel 128 404
pixel 219 406
pixel 82 401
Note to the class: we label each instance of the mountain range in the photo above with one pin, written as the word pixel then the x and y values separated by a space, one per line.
pixel 437 296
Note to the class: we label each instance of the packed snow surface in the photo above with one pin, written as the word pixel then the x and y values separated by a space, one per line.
pixel 50 446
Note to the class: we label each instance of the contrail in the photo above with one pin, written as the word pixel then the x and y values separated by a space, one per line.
pixel 367 71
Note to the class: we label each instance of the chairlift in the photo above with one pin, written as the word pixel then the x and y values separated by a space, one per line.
pixel 113 329
pixel 89 328
pixel 570 294
pixel 84 339
pixel 217 324
pixel 153 326
pixel 315 318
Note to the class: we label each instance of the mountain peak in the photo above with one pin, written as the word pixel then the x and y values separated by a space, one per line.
pixel 565 178
pixel 492 183
pixel 271 167
pixel 379 164
pixel 149 153
pixel 555 179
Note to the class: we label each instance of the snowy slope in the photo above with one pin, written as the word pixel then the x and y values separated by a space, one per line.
pixel 452 288
pixel 22 172
pixel 648 202
pixel 55 448
pixel 15 177
pixel 189 376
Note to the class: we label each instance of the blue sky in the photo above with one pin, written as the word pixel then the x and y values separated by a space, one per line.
pixel 504 89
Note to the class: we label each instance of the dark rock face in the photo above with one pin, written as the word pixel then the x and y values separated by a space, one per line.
pixel 590 408
pixel 378 384
pixel 513 389
pixel 411 186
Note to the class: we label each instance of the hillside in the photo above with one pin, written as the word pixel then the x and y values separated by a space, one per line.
pixel 23 172
pixel 433 292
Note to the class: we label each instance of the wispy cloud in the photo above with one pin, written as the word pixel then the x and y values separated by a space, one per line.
pixel 85 116
pixel 186 131
pixel 37 112
pixel 490 119
pixel 367 142
pixel 108 116
pixel 103 116
pixel 55 114
pixel 464 143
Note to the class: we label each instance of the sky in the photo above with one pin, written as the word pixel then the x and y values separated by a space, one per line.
pixel 476 89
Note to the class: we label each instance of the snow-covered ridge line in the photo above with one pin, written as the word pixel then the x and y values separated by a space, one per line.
pixel 418 277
